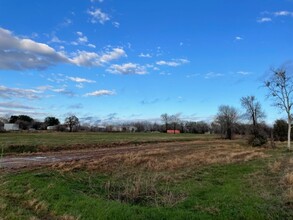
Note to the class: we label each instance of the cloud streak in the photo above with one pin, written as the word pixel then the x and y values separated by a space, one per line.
pixel 8 93
pixel 173 63
pixel 102 92
pixel 80 80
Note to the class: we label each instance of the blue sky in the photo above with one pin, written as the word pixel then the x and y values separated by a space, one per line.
pixel 109 61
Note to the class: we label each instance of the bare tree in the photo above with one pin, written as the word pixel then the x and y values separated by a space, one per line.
pixel 227 118
pixel 165 118
pixel 175 120
pixel 280 87
pixel 253 109
pixel 71 122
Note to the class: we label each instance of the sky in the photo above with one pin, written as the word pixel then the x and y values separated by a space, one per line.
pixel 109 61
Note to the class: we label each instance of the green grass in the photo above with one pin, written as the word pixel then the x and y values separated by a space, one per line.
pixel 243 190
pixel 237 189
pixel 53 141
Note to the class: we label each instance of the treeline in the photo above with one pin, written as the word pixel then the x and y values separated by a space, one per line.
pixel 169 122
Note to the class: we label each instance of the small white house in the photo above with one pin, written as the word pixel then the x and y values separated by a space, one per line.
pixel 52 128
pixel 11 127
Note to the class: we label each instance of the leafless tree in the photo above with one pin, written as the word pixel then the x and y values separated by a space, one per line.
pixel 175 120
pixel 280 87
pixel 71 122
pixel 253 110
pixel 227 117
pixel 166 119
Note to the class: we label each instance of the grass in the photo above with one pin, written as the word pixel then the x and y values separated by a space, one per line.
pixel 212 179
pixel 20 142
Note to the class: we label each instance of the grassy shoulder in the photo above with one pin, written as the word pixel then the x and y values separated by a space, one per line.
pixel 20 142
pixel 239 187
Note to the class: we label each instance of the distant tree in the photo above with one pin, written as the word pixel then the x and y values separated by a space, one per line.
pixel 280 130
pixel 191 127
pixel 71 122
pixel 166 120
pixel 202 127
pixel 254 113
pixel 175 121
pixel 24 121
pixel 38 125
pixel 253 110
pixel 280 87
pixel 13 119
pixel 227 117
pixel 51 121
pixel 3 120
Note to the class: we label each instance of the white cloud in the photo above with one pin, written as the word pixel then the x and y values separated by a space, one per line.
pixel 64 91
pixel 238 38
pixel 80 80
pixel 9 93
pixel 21 54
pixel 98 16
pixel 145 55
pixel 283 13
pixel 91 45
pixel 264 19
pixel 84 58
pixel 127 68
pixel 211 75
pixel 55 39
pixel 173 63
pixel 244 73
pixel 116 24
pixel 116 53
pixel 102 92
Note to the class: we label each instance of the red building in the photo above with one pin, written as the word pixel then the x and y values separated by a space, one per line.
pixel 173 131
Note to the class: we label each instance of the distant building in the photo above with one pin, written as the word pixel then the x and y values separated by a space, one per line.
pixel 121 128
pixel 52 128
pixel 11 127
pixel 173 131
pixel 117 129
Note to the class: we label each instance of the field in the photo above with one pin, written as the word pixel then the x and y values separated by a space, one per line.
pixel 144 176
pixel 55 141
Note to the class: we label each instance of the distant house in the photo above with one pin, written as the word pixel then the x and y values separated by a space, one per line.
pixel 117 129
pixel 11 127
pixel 52 128
pixel 121 128
pixel 173 131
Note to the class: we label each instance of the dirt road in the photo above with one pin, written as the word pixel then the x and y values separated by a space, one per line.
pixel 35 160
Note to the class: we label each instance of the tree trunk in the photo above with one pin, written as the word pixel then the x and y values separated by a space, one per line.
pixel 289 133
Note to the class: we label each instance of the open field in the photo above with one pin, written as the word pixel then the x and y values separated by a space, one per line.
pixel 55 141
pixel 193 179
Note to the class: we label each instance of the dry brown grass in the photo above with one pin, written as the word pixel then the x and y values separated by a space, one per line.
pixel 275 166
pixel 37 206
pixel 67 217
pixel 164 157
pixel 288 179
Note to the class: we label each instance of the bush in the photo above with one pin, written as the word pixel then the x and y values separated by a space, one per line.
pixel 258 138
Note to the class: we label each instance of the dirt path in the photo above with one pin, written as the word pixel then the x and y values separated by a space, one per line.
pixel 36 160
